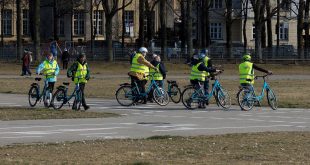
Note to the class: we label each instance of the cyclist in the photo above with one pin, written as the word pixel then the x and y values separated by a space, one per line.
pixel 246 71
pixel 50 69
pixel 161 75
pixel 208 63
pixel 79 71
pixel 198 74
pixel 139 70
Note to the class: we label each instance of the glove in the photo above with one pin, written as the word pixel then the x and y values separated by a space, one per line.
pixel 269 72
pixel 87 78
pixel 156 69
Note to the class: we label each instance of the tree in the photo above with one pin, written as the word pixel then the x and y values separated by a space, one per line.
pixel 111 7
pixel 149 12
pixel 189 27
pixel 37 41
pixel 300 27
pixel 163 28
pixel 245 6
pixel 141 23
pixel 19 29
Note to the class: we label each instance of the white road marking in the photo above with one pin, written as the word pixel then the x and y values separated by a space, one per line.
pixel 297 122
pixel 301 126
pixel 20 137
pixel 108 133
pixel 219 128
pixel 275 121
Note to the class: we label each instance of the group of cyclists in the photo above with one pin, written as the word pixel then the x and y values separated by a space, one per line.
pixel 200 63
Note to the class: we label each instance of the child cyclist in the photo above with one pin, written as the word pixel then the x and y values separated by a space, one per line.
pixel 50 70
pixel 79 72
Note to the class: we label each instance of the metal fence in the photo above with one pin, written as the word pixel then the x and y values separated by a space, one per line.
pixel 9 52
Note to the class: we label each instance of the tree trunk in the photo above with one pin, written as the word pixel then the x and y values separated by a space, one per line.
pixel 278 27
pixel 123 26
pixel 208 40
pixel 245 39
pixel 263 25
pixel 55 16
pixel 257 5
pixel 229 29
pixel 189 27
pixel 163 28
pixel 269 25
pixel 108 33
pixel 19 30
pixel 307 42
pixel 141 23
pixel 183 28
pixel 204 9
pixel 37 41
pixel 300 23
pixel 2 27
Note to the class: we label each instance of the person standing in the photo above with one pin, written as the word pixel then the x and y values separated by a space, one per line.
pixel 27 59
pixel 65 58
pixel 79 71
pixel 54 47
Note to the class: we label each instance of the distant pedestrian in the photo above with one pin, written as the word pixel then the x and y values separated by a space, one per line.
pixel 65 58
pixel 27 59
pixel 54 47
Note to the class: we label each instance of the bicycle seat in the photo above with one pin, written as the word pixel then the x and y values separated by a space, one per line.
pixel 171 82
pixel 66 83
pixel 38 79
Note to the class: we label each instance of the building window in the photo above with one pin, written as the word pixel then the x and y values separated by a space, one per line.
pixel 79 22
pixel 283 31
pixel 216 4
pixel 253 31
pixel 216 31
pixel 129 23
pixel 61 26
pixel 7 22
pixel 25 22
pixel 98 22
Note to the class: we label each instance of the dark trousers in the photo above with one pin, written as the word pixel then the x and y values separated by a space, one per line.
pixel 140 83
pixel 82 87
pixel 206 86
pixel 197 84
pixel 26 70
pixel 65 65
pixel 51 86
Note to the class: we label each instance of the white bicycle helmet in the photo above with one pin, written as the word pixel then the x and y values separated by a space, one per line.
pixel 143 49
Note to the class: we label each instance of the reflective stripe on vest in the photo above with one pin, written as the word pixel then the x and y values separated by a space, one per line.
pixel 49 69
pixel 157 75
pixel 196 74
pixel 205 61
pixel 80 73
pixel 246 72
pixel 136 67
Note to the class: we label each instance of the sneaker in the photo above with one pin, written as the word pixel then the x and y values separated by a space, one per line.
pixel 207 102
pixel 86 107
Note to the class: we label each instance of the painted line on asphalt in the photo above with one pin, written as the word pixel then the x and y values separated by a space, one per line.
pixel 298 122
pixel 89 134
pixel 219 128
pixel 19 137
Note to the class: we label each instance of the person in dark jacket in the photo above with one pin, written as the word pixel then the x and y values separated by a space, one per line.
pixel 26 62
pixel 161 75
pixel 65 58
pixel 80 74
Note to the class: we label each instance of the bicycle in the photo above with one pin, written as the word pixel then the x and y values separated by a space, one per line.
pixel 127 95
pixel 61 96
pixel 174 91
pixel 247 97
pixel 34 94
pixel 192 97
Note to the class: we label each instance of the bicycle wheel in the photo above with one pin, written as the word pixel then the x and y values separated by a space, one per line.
pixel 33 96
pixel 47 97
pixel 272 99
pixel 160 96
pixel 190 98
pixel 175 94
pixel 246 99
pixel 124 96
pixel 223 98
pixel 58 99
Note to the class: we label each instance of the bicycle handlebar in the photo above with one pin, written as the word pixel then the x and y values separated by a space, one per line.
pixel 263 76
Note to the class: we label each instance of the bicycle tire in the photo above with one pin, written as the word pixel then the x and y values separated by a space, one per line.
pixel 160 96
pixel 47 97
pixel 175 94
pixel 124 96
pixel 223 98
pixel 246 99
pixel 187 98
pixel 272 99
pixel 59 96
pixel 33 94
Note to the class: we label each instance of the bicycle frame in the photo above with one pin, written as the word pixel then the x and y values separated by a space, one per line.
pixel 74 93
pixel 262 94
pixel 149 88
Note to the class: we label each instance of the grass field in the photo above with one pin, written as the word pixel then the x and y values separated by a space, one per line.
pixel 253 148
pixel 7 114
pixel 291 93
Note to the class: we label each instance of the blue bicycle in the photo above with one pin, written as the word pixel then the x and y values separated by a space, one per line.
pixel 192 97
pixel 126 95
pixel 61 96
pixel 247 97
pixel 34 94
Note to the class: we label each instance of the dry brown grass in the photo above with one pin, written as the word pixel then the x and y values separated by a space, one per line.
pixel 35 114
pixel 253 148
